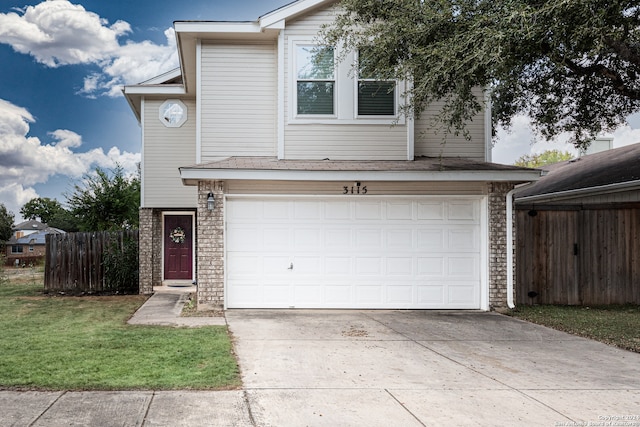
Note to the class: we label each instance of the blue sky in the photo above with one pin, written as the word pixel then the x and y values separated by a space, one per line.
pixel 62 64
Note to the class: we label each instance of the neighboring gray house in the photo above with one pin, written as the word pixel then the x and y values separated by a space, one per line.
pixel 278 182
pixel 579 231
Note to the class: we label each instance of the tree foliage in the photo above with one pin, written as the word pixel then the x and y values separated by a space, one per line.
pixel 572 66
pixel 106 200
pixel 50 212
pixel 6 224
pixel 42 208
pixel 545 158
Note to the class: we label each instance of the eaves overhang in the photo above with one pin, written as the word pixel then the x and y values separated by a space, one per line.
pixel 191 176
pixel 134 94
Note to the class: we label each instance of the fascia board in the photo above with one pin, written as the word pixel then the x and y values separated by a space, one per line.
pixel 194 174
pixel 288 11
pixel 581 192
pixel 204 29
pixel 155 90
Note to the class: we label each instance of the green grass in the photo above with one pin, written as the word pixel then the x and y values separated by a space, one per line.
pixel 84 343
pixel 614 325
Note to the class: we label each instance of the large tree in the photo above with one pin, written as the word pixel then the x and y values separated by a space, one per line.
pixel 6 224
pixel 41 208
pixel 106 200
pixel 50 212
pixel 571 66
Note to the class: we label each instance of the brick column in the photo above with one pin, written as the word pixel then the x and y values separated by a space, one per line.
pixel 145 251
pixel 498 245
pixel 210 247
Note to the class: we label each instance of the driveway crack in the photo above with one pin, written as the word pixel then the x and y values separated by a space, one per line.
pixel 405 408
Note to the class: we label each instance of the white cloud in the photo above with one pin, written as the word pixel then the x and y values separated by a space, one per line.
pixel 26 161
pixel 57 32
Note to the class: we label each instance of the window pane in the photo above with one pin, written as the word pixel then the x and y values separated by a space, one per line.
pixel 315 97
pixel 314 63
pixel 376 98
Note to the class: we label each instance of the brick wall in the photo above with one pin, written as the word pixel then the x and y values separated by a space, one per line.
pixel 210 247
pixel 145 254
pixel 498 244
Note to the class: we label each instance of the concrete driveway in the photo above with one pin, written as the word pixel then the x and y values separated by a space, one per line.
pixel 416 368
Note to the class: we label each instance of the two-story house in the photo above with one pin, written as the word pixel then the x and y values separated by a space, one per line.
pixel 276 181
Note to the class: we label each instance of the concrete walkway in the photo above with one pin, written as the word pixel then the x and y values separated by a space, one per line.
pixel 369 368
pixel 164 308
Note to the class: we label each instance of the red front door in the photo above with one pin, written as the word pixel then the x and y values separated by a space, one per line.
pixel 178 247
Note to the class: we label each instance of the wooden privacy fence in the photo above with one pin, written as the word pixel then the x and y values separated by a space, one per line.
pixel 578 256
pixel 75 262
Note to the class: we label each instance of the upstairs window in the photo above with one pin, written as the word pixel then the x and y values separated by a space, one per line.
pixel 15 249
pixel 315 80
pixel 376 97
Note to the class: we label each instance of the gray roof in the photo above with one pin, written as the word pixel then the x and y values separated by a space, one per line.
pixel 596 171
pixel 419 164
pixel 30 225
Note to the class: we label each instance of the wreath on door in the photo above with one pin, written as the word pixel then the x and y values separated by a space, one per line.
pixel 177 235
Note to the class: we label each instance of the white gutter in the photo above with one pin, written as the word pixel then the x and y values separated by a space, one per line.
pixel 509 210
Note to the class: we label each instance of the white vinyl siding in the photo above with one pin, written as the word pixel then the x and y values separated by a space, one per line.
pixel 431 144
pixel 238 98
pixel 164 150
pixel 346 142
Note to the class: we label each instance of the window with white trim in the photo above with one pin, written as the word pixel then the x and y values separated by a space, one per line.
pixel 16 249
pixel 315 80
pixel 376 97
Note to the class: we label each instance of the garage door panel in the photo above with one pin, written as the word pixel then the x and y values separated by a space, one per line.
pixel 400 210
pixel 463 239
pixel 243 265
pixel 306 238
pixel 430 266
pixel 431 295
pixel 274 210
pixel 275 265
pixel 369 266
pixel 463 294
pixel 430 210
pixel 338 266
pixel 369 296
pixel 379 253
pixel 337 210
pixel 400 266
pixel 463 267
pixel 307 210
pixel 336 295
pixel 368 239
pixel 307 265
pixel 430 240
pixel 399 239
pixel 399 294
pixel 368 210
pixel 464 211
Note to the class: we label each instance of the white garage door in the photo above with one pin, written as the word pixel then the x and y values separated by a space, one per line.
pixel 353 252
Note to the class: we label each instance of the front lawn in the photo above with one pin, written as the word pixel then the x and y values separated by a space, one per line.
pixel 84 343
pixel 614 325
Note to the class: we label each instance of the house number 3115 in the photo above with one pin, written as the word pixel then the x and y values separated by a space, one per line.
pixel 354 189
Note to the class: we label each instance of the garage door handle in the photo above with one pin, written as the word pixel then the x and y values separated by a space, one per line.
pixel 290 267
